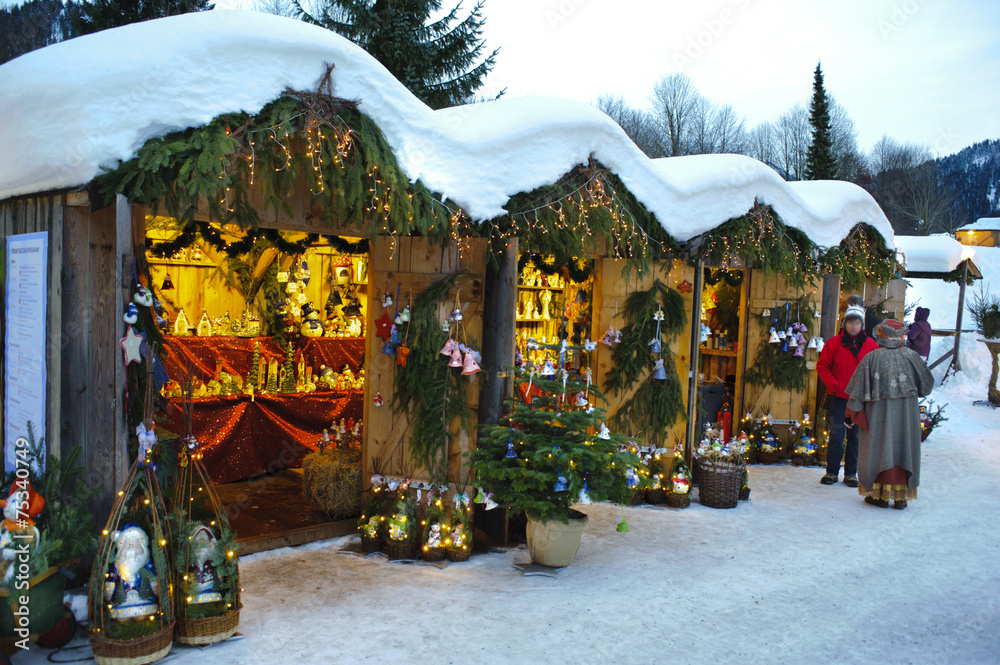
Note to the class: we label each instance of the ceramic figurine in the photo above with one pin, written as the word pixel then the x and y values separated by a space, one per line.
pixel 131 586
pixel 18 532
pixel 312 326
pixel 203 583
pixel 679 482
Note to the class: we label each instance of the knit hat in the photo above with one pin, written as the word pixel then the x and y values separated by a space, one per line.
pixel 854 312
pixel 889 333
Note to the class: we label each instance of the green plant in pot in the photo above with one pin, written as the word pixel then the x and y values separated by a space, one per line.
pixel 547 456
pixel 985 310
pixel 53 495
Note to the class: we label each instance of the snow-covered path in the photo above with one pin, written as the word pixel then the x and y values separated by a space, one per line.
pixel 802 573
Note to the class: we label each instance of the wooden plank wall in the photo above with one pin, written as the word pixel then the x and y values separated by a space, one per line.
pixel 610 287
pixel 415 264
pixel 765 289
pixel 31 215
pixel 893 294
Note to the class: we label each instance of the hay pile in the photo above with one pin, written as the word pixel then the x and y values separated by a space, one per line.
pixel 332 479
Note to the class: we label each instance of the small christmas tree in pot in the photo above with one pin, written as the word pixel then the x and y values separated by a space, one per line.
pixel 546 456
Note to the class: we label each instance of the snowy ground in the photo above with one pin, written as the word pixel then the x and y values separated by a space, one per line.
pixel 802 573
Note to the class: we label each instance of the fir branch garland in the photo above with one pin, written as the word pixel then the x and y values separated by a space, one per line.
pixel 773 367
pixel 427 387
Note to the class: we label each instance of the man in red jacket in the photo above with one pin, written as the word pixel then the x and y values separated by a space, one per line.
pixel 835 366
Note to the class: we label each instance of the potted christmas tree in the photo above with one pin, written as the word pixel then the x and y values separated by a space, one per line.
pixel 985 311
pixel 547 456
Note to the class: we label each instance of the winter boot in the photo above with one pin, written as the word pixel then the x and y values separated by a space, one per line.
pixel 828 479
pixel 851 481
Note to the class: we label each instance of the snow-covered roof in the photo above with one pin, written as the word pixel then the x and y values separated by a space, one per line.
pixel 75 106
pixel 982 224
pixel 938 253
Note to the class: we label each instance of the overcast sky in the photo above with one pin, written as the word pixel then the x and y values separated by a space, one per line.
pixel 925 71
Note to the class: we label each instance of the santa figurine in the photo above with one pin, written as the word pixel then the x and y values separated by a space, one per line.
pixel 18 529
pixel 131 585
pixel 202 581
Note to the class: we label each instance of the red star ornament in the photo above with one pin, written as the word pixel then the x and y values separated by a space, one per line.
pixel 383 326
pixel 130 344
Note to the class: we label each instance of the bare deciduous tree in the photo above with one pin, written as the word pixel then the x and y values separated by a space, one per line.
pixel 674 101
pixel 638 124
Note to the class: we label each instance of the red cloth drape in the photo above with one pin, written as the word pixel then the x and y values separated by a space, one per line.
pixel 244 438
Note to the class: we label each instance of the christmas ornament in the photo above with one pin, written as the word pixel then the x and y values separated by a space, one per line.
pixel 383 326
pixel 143 297
pixel 684 287
pixel 490 504
pixel 130 344
pixel 448 348
pixel 654 345
pixel 548 369
pixel 377 400
pixel 659 373
pixel 610 338
pixel 604 433
pixel 131 315
pixel 401 354
pixel 456 357
pixel 820 344
pixel 168 284
pixel 510 446
pixel 469 364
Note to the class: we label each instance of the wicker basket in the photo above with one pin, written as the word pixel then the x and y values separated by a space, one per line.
pixel 678 500
pixel 720 485
pixel 200 632
pixel 459 555
pixel 656 496
pixel 399 549
pixel 369 545
pixel 148 649
pixel 434 554
pixel 744 493
pixel 768 458
pixel 924 433
pixel 638 497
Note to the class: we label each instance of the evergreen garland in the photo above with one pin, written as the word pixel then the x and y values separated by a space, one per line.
pixel 431 391
pixel 192 231
pixel 776 368
pixel 861 256
pixel 632 356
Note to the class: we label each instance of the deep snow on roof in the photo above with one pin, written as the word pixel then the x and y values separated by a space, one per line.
pixel 938 253
pixel 75 106
pixel 982 224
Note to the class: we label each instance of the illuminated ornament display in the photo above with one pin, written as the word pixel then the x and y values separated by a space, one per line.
pixel 132 585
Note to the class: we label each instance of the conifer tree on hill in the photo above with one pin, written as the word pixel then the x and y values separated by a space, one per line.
pixel 88 16
pixel 439 61
pixel 820 162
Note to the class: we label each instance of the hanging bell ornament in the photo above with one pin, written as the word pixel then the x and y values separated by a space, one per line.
pixel 799 351
pixel 793 340
pixel 774 339
pixel 448 347
pixel 782 335
pixel 801 339
pixel 168 284
pixel 767 312
pixel 584 497
pixel 456 357
pixel 659 373
pixel 490 504
pixel 820 344
pixel 549 369
pixel 609 337
pixel 654 345
pixel 812 343
pixel 469 365
pixel 622 526
pixel 581 399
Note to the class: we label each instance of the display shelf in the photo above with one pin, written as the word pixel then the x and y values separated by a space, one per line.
pixel 717 352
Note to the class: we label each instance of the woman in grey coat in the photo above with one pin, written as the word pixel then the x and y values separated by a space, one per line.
pixel 883 401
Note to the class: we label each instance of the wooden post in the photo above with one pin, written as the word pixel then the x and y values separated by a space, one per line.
pixel 692 405
pixel 499 303
pixel 956 361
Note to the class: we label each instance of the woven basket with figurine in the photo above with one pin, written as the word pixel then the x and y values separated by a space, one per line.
pixel 772 457
pixel 744 493
pixel 399 549
pixel 638 497
pixel 677 500
pixel 209 630
pixel 139 651
pixel 433 554
pixel 369 545
pixel 459 554
pixel 656 495
pixel 720 481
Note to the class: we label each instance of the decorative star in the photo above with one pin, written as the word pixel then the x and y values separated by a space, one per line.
pixel 383 326
pixel 131 343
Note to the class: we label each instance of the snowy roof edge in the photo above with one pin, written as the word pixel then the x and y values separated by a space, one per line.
pixel 78 105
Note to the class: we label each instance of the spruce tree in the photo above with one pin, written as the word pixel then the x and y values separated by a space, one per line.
pixel 29 26
pixel 820 162
pixel 86 16
pixel 438 61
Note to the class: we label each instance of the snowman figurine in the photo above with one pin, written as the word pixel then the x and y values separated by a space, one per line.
pixel 679 482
